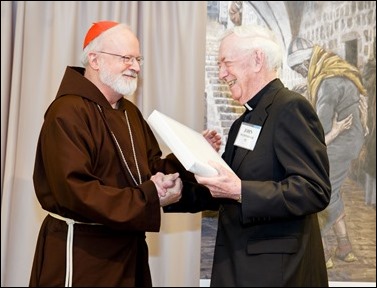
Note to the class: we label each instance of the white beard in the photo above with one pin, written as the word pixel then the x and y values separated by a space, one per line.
pixel 119 83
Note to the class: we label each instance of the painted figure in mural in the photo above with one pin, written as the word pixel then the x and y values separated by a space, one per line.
pixel 268 232
pixel 369 78
pixel 235 12
pixel 335 89
pixel 99 172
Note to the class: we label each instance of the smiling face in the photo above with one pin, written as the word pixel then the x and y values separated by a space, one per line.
pixel 114 71
pixel 232 68
pixel 113 62
pixel 239 68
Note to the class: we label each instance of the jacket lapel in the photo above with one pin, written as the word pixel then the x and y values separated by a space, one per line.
pixel 258 117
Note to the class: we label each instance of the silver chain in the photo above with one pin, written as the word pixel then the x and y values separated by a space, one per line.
pixel 121 151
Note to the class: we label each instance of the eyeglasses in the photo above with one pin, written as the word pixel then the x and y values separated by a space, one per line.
pixel 127 59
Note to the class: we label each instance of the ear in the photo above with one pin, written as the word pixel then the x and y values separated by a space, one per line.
pixel 258 59
pixel 93 60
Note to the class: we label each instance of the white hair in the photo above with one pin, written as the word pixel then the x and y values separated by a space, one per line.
pixel 258 37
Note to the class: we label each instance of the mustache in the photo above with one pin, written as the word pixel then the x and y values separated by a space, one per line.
pixel 131 73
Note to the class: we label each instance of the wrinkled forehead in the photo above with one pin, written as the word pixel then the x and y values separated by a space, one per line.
pixel 228 47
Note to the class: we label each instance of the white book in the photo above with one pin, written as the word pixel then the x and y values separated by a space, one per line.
pixel 188 145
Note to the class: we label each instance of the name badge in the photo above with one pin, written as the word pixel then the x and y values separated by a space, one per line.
pixel 247 136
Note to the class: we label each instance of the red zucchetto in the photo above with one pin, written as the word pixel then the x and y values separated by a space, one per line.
pixel 96 29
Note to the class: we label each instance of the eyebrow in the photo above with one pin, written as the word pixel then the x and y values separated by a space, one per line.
pixel 221 61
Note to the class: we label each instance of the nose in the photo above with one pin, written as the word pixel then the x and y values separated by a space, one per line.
pixel 222 72
pixel 135 65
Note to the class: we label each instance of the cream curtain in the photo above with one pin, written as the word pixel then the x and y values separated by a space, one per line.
pixel 39 39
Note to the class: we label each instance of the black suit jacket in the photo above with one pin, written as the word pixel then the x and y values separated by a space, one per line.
pixel 273 238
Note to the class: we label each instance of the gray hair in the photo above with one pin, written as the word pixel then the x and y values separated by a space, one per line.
pixel 258 37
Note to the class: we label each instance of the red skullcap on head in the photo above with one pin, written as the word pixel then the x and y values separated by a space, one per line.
pixel 96 29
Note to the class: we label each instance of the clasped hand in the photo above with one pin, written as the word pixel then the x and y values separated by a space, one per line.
pixel 169 187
